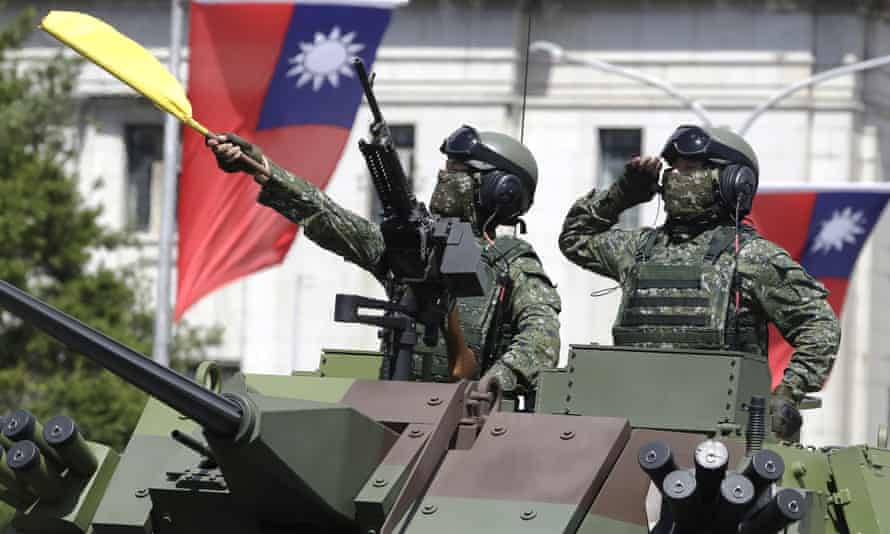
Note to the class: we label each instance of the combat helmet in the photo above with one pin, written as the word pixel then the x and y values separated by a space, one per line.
pixel 715 144
pixel 509 170
pixel 739 169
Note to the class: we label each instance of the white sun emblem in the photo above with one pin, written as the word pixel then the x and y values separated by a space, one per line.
pixel 841 229
pixel 325 59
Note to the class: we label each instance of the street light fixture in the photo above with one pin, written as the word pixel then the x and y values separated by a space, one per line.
pixel 558 55
pixel 809 82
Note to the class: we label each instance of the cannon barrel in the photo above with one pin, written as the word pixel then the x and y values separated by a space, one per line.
pixel 215 413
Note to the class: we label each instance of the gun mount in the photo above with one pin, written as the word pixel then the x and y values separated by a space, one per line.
pixel 429 260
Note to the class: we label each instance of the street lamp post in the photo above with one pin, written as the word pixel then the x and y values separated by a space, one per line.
pixel 558 55
pixel 161 352
pixel 809 82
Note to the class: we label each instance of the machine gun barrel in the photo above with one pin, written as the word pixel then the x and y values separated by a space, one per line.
pixel 215 413
pixel 366 87
pixel 383 161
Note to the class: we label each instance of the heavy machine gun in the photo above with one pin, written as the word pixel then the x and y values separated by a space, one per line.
pixel 429 261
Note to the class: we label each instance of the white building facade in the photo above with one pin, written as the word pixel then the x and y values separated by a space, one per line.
pixel 448 62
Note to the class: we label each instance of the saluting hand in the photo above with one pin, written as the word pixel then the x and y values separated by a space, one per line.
pixel 640 180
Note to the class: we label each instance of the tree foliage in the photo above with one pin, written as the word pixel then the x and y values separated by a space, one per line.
pixel 50 242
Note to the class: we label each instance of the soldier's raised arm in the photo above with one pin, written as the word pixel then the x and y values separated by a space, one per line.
pixel 587 237
pixel 325 222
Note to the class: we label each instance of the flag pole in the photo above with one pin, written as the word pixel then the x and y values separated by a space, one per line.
pixel 161 353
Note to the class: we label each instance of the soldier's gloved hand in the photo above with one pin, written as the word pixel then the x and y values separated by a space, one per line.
pixel 786 418
pixel 492 385
pixel 499 376
pixel 640 181
pixel 228 149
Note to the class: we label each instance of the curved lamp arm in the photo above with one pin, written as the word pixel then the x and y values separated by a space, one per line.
pixel 557 55
pixel 813 80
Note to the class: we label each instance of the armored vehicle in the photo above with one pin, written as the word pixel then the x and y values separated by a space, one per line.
pixel 620 441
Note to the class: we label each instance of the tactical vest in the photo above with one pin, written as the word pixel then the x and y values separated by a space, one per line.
pixel 671 304
pixel 476 314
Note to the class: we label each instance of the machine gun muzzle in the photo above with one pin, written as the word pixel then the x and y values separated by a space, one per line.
pixel 215 413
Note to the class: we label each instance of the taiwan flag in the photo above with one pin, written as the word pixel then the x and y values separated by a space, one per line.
pixel 824 229
pixel 278 74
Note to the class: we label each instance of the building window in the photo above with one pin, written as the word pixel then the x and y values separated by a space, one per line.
pixel 616 147
pixel 403 140
pixel 144 144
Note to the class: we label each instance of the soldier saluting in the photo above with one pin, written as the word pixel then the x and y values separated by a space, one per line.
pixel 704 280
pixel 516 321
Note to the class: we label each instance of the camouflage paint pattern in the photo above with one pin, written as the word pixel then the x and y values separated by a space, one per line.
pixel 774 288
pixel 533 308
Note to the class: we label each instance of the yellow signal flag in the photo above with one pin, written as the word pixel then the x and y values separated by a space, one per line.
pixel 125 59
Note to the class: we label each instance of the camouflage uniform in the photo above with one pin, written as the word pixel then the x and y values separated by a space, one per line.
pixel 774 288
pixel 531 315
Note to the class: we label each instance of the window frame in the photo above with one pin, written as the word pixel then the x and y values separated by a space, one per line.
pixel 632 217
pixel 133 219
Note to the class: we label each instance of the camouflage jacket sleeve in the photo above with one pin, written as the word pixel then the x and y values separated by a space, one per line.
pixel 796 303
pixel 587 237
pixel 534 314
pixel 325 222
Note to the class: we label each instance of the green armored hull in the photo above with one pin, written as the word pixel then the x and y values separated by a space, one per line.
pixel 620 441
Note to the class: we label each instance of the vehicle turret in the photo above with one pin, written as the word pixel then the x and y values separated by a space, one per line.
pixel 272 452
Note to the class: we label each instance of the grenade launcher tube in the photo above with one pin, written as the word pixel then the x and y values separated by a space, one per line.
pixel 215 413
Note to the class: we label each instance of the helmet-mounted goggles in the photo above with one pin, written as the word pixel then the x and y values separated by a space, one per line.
pixel 693 142
pixel 464 145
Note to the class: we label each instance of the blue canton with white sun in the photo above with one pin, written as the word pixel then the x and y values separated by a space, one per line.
pixel 313 81
pixel 840 224
pixel 326 58
pixel 843 229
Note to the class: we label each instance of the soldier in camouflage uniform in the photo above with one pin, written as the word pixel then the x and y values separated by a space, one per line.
pixel 691 283
pixel 526 339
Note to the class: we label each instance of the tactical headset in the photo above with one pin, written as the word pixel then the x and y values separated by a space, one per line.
pixel 738 179
pixel 506 189
pixel 502 193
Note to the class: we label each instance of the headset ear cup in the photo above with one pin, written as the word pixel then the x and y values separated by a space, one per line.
pixel 738 182
pixel 503 194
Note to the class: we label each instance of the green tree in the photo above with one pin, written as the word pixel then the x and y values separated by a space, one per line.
pixel 49 241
